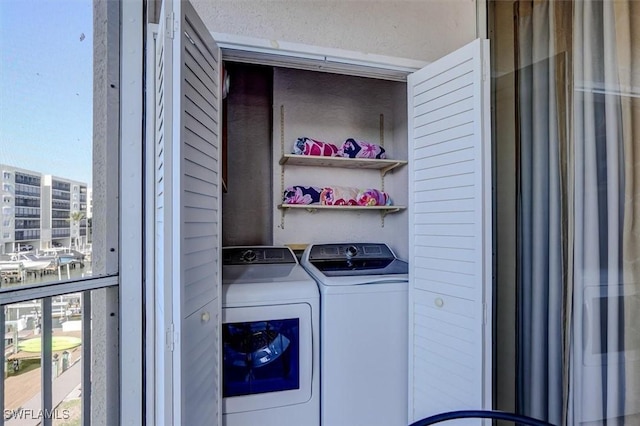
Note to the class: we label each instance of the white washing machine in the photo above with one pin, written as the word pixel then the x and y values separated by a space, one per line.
pixel 270 339
pixel 363 333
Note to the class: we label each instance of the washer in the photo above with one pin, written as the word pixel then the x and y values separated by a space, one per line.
pixel 363 333
pixel 270 339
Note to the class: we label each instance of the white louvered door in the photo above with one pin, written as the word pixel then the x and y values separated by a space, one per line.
pixel 188 270
pixel 450 234
pixel 163 406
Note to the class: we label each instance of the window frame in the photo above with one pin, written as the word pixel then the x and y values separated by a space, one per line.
pixel 122 251
pixel 132 283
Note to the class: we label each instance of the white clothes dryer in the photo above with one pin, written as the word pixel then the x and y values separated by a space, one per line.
pixel 363 333
pixel 270 339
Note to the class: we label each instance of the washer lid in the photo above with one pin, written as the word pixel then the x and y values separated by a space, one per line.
pixel 253 274
pixel 265 284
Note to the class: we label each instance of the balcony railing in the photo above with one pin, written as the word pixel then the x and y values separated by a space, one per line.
pixel 27 215
pixel 48 355
pixel 27 236
pixel 27 179
pixel 63 186
pixel 60 196
pixel 27 202
pixel 19 226
pixel 27 193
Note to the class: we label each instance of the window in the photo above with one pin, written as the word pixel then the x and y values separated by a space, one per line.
pixel 54 67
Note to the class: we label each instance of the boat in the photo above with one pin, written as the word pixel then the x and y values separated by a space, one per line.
pixel 11 271
pixel 33 263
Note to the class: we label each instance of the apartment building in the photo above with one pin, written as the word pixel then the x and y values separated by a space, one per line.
pixel 21 208
pixel 41 211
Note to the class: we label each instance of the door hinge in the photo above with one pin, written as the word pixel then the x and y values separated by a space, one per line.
pixel 484 314
pixel 485 72
pixel 171 25
pixel 170 338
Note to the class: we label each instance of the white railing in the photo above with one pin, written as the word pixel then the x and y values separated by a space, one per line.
pixel 25 400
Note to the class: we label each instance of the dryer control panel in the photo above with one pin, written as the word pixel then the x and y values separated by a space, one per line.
pixel 265 255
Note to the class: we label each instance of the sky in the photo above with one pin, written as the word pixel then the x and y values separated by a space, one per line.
pixel 46 86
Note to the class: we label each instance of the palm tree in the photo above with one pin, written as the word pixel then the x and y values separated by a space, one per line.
pixel 76 217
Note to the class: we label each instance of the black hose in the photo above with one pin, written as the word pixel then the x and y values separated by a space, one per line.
pixel 481 414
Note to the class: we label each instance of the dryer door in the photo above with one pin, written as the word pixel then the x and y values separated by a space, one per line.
pixel 267 356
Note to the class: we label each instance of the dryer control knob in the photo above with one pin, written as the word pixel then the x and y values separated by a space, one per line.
pixel 249 256
pixel 351 251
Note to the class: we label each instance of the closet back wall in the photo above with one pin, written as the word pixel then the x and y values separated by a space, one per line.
pixel 333 108
pixel 247 204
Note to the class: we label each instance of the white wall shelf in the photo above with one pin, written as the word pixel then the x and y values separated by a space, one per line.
pixel 384 210
pixel 384 165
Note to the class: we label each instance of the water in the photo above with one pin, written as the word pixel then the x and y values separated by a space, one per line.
pixel 76 272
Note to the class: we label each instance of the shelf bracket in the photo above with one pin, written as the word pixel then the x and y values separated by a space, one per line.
pixel 384 213
pixel 387 169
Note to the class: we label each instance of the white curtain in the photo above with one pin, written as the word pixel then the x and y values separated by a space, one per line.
pixel 604 367
pixel 597 371
pixel 540 235
pixel 579 211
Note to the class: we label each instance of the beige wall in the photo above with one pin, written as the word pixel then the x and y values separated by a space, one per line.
pixel 421 29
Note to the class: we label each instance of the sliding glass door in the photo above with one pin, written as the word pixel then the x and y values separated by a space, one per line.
pixel 567 82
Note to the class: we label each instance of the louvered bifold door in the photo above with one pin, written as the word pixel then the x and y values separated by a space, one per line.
pixel 450 234
pixel 163 398
pixel 199 235
pixel 188 215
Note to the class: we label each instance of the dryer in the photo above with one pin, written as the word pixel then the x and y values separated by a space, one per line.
pixel 363 333
pixel 270 339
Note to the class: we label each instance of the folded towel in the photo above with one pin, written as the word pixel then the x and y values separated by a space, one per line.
pixel 373 197
pixel 336 196
pixel 302 195
pixel 308 146
pixel 339 196
pixel 360 149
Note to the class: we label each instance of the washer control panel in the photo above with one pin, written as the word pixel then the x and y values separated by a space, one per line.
pixel 321 252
